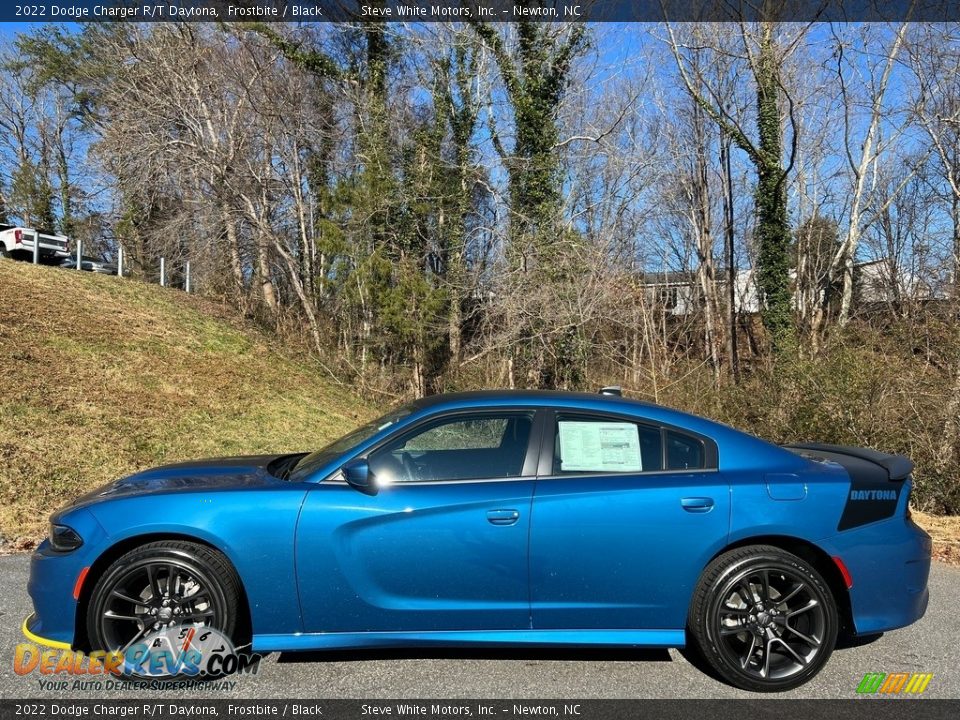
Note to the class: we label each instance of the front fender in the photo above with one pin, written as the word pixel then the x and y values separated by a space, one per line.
pixel 254 529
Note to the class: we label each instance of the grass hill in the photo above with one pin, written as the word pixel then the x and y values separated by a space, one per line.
pixel 102 376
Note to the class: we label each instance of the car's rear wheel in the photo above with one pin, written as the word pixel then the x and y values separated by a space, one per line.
pixel 763 618
pixel 160 586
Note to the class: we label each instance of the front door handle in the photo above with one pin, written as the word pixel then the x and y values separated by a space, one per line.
pixel 503 517
pixel 697 504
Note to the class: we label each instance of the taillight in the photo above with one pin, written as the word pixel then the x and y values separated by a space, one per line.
pixel 18 236
pixel 908 489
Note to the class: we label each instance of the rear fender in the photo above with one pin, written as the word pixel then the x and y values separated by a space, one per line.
pixel 879 482
pixel 804 503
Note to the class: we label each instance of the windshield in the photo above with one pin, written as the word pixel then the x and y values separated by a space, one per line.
pixel 315 460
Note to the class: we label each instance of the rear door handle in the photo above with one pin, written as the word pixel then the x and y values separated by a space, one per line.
pixel 697 504
pixel 503 517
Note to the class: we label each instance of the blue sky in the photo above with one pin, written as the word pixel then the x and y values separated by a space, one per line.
pixel 8 29
pixel 621 46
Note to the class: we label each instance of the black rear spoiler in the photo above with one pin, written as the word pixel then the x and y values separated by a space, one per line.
pixel 897 467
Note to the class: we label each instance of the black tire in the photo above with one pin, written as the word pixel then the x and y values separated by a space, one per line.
pixel 763 619
pixel 153 585
pixel 4 253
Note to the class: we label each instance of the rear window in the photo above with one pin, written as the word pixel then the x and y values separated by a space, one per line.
pixel 684 452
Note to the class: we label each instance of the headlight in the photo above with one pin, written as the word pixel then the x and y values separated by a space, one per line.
pixel 63 538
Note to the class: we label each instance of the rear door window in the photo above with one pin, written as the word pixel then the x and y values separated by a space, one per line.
pixel 585 443
pixel 605 445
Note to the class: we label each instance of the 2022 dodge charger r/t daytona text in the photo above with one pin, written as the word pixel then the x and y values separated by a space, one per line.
pixel 502 518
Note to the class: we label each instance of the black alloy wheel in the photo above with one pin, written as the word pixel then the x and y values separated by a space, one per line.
pixel 763 618
pixel 159 585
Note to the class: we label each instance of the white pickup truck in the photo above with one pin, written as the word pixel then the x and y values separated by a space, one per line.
pixel 18 242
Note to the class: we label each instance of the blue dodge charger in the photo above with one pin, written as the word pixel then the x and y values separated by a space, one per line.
pixel 502 518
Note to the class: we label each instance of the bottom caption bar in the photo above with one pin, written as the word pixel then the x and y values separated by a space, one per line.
pixel 507 709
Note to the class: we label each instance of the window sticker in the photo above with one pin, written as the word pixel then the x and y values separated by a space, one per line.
pixel 599 447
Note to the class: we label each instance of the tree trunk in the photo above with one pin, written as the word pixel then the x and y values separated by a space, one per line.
pixel 454 321
pixel 955 217
pixel 773 228
pixel 706 273
pixel 305 303
pixel 732 350
pixel 419 385
pixel 66 199
pixel 236 264
pixel 266 281
pixel 951 426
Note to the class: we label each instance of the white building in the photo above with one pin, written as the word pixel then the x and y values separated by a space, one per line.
pixel 677 292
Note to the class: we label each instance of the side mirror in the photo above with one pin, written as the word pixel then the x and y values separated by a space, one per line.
pixel 358 476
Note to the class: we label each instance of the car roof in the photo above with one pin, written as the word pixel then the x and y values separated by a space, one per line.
pixel 750 451
pixel 533 397
pixel 597 402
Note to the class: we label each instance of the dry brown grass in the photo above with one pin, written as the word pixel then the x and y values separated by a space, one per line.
pixel 101 376
pixel 945 531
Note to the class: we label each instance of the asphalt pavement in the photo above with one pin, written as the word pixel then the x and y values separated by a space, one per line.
pixel 930 646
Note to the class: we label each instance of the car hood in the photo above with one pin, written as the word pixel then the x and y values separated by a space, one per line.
pixel 212 474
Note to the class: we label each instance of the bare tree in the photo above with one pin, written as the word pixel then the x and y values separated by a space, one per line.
pixel 936 68
pixel 764 54
pixel 863 148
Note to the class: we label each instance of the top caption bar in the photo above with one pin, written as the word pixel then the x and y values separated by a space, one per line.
pixel 481 10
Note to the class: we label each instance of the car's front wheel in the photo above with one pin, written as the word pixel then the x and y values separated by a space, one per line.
pixel 763 618
pixel 161 586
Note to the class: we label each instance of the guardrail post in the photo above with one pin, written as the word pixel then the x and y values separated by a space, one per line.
pixel 163 274
pixel 187 285
pixel 79 254
pixel 120 261
pixel 36 247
